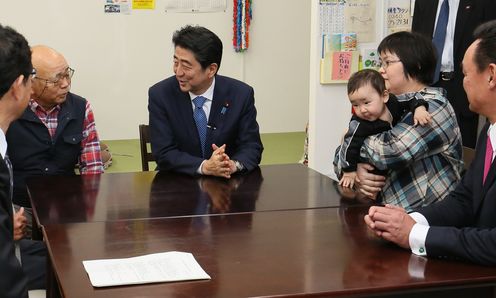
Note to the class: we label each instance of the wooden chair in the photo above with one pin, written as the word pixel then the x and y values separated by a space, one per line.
pixel 146 156
pixel 468 156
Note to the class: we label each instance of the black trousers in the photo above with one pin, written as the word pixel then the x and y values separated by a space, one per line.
pixel 34 262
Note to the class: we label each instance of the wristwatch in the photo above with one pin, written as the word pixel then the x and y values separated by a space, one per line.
pixel 239 166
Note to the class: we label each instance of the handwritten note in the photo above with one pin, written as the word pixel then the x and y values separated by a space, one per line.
pixel 398 16
pixel 359 18
pixel 341 65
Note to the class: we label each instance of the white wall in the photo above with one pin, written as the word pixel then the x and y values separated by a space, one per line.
pixel 118 57
pixel 329 108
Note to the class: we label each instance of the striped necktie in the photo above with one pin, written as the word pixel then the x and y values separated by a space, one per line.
pixel 201 121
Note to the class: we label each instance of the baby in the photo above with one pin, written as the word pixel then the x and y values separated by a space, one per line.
pixel 375 111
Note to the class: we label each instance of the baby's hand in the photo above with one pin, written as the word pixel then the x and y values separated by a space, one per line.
pixel 348 179
pixel 421 116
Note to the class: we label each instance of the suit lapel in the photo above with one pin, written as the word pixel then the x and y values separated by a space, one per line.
pixel 218 111
pixel 490 175
pixel 480 190
pixel 464 13
pixel 5 186
pixel 185 110
pixel 430 15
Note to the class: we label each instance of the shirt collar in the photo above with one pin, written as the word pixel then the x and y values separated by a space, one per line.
pixel 491 132
pixel 3 144
pixel 209 94
pixel 420 94
pixel 34 105
pixel 409 95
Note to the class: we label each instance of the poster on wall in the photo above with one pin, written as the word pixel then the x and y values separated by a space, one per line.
pixel 359 16
pixel 195 5
pixel 331 16
pixel 398 16
pixel 143 4
pixel 117 6
pixel 337 67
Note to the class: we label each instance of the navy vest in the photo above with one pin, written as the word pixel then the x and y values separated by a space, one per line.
pixel 33 152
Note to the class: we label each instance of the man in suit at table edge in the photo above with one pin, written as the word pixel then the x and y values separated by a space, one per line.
pixel 15 90
pixel 202 123
pixel 463 225
pixel 463 17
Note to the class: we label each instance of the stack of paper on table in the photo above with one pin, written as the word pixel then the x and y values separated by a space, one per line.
pixel 152 268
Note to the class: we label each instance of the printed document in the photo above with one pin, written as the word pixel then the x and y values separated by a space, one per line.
pixel 152 268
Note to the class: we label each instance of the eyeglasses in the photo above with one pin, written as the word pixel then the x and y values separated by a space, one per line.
pixel 387 63
pixel 69 72
pixel 32 75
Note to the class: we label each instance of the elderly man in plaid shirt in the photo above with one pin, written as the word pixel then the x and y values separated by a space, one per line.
pixel 56 132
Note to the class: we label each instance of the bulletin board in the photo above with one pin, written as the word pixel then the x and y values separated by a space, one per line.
pixel 348 34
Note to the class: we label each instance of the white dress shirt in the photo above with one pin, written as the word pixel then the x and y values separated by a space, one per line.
pixel 447 63
pixel 3 144
pixel 209 95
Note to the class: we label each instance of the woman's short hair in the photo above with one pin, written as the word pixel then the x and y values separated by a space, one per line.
pixel 416 52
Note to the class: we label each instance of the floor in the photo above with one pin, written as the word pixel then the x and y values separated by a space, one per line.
pixel 280 148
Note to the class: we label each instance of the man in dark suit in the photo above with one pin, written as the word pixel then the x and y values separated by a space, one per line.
pixel 15 90
pixel 464 17
pixel 463 225
pixel 182 138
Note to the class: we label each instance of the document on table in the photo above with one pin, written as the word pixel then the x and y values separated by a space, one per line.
pixel 152 268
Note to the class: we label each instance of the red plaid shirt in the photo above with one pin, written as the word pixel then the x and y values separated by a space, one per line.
pixel 90 160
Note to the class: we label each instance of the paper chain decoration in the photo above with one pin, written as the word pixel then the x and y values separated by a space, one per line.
pixel 242 16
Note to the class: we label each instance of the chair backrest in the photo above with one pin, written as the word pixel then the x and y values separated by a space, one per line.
pixel 146 155
pixel 468 156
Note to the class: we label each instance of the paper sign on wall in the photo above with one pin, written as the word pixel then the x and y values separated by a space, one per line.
pixel 337 67
pixel 143 4
pixel 341 65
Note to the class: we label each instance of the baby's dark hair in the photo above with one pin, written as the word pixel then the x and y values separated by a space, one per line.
pixel 364 77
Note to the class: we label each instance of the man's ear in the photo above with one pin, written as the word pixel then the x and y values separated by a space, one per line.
pixel 17 87
pixel 492 75
pixel 212 69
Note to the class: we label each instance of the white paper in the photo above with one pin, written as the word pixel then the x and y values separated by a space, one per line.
pixel 159 267
pixel 195 5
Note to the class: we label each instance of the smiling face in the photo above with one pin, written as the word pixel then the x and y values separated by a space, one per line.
pixel 189 73
pixel 368 104
pixel 473 80
pixel 50 66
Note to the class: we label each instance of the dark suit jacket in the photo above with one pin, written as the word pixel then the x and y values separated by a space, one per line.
pixel 174 137
pixel 463 225
pixel 13 283
pixel 471 13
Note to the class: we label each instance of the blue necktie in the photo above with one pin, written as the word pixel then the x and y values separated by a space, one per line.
pixel 201 121
pixel 440 35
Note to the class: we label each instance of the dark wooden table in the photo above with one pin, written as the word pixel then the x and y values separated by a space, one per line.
pixel 123 196
pixel 325 252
